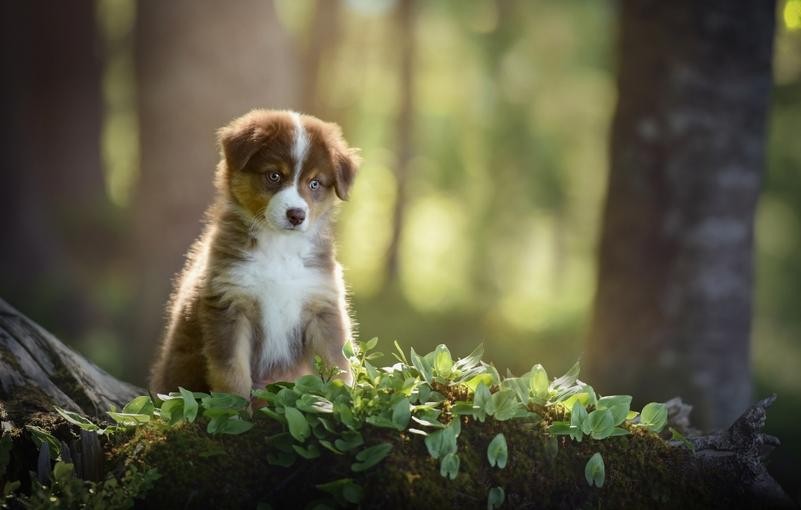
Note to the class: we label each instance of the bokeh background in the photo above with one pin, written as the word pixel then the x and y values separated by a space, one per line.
pixel 485 131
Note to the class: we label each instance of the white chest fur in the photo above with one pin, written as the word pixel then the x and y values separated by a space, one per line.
pixel 276 278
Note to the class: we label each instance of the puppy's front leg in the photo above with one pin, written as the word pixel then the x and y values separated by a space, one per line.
pixel 227 349
pixel 327 330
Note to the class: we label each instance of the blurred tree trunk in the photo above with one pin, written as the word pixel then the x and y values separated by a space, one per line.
pixel 404 127
pixel 200 63
pixel 673 307
pixel 54 214
pixel 323 40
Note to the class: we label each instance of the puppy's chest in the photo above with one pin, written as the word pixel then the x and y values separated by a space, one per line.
pixel 276 285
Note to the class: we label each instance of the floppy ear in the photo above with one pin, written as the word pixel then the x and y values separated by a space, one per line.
pixel 346 164
pixel 239 142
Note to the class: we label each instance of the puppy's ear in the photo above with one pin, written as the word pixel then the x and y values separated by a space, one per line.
pixel 346 164
pixel 239 141
pixel 346 160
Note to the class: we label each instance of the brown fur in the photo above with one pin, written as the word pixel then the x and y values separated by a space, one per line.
pixel 214 337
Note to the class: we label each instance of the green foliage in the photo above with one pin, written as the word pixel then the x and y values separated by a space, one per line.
pixel 498 452
pixel 594 471
pixel 495 498
pixel 67 491
pixel 654 417
pixel 428 395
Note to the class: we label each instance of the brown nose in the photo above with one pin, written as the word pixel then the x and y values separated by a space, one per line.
pixel 295 216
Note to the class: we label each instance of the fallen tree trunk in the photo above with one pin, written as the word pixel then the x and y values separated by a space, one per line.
pixel 37 372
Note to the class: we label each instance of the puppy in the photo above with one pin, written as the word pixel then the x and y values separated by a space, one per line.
pixel 262 292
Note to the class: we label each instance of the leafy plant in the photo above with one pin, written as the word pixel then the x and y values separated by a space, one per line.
pixel 429 395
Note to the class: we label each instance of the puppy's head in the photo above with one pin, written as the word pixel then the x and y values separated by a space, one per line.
pixel 285 168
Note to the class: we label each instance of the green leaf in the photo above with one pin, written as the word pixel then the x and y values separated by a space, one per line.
pixel 140 405
pixel 449 466
pixel 617 404
pixel 483 378
pixel 223 404
pixel 314 404
pixel 654 417
pixel 77 419
pixel 347 349
pixel 272 414
pixel 482 399
pixel 349 440
pixel 619 431
pixel 310 452
pixel 172 411
pixel 190 405
pixel 460 408
pixel 39 436
pixel 503 405
pixel 422 366
pixel 129 419
pixel 600 423
pixel 443 362
pixel 443 441
pixel 370 344
pixel 63 472
pixel 371 456
pixel 539 384
pixel 495 498
pixel 567 380
pixel 380 421
pixel 578 417
pixel 344 490
pixel 498 452
pixel 234 426
pixel 594 471
pixel 401 413
pixel 675 435
pixel 311 383
pixel 562 428
pixel 298 426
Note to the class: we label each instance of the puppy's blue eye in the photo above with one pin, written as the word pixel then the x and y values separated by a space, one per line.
pixel 314 184
pixel 274 177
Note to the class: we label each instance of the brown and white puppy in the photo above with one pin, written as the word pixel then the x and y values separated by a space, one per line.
pixel 261 292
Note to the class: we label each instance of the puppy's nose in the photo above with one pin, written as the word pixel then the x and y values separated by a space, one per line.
pixel 295 216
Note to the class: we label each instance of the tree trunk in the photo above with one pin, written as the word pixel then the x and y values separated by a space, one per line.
pixel 53 207
pixel 404 128
pixel 672 312
pixel 38 372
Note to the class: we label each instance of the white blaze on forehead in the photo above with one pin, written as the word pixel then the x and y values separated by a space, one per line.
pixel 289 197
pixel 300 145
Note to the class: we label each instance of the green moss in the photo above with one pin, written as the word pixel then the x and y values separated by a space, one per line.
pixel 229 472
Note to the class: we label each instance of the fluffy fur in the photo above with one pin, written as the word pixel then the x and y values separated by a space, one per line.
pixel 262 292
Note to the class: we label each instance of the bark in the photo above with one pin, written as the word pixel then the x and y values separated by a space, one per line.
pixel 200 63
pixel 38 372
pixel 726 469
pixel 404 128
pixel 672 313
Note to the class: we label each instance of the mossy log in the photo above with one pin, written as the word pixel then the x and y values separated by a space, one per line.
pixel 37 372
